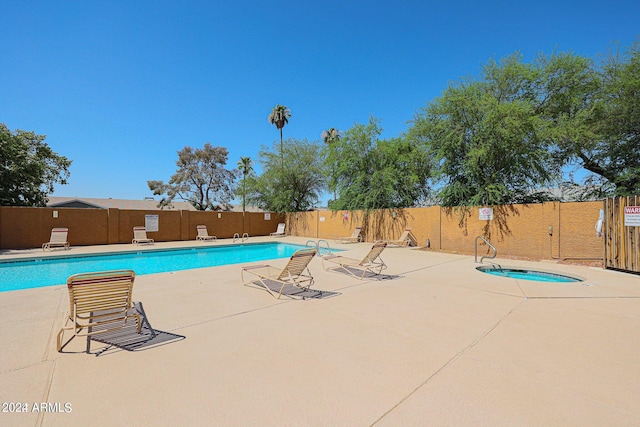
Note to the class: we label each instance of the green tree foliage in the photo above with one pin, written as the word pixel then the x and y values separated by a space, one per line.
pixel 615 155
pixel 28 168
pixel 290 182
pixel 201 179
pixel 489 138
pixel 500 138
pixel 570 89
pixel 375 174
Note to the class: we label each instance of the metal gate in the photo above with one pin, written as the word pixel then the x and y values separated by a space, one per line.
pixel 622 240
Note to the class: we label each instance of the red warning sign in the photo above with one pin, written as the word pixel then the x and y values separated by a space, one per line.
pixel 632 216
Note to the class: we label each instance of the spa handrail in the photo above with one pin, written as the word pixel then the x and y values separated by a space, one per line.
pixel 475 244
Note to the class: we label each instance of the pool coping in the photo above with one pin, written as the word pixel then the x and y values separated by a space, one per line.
pixel 150 248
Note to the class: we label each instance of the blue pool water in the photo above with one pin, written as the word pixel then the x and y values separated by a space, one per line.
pixel 39 272
pixel 539 276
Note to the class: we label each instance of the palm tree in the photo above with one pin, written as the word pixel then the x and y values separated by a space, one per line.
pixel 245 166
pixel 330 136
pixel 280 116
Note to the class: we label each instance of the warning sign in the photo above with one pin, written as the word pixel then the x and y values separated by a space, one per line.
pixel 485 214
pixel 151 222
pixel 632 216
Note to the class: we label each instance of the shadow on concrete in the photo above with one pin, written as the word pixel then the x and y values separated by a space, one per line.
pixel 128 339
pixel 295 292
pixel 358 273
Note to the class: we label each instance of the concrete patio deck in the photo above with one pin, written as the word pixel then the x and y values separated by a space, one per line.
pixel 436 343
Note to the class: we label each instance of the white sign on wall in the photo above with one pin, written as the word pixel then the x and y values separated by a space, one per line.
pixel 151 222
pixel 267 216
pixel 632 216
pixel 485 214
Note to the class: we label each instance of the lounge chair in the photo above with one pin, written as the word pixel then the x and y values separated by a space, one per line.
pixel 370 263
pixel 140 236
pixel 58 238
pixel 354 238
pixel 99 302
pixel 403 241
pixel 203 234
pixel 280 231
pixel 295 273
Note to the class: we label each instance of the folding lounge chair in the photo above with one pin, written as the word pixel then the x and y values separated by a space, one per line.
pixel 58 238
pixel 370 263
pixel 354 238
pixel 203 234
pixel 295 273
pixel 140 236
pixel 403 241
pixel 280 231
pixel 99 302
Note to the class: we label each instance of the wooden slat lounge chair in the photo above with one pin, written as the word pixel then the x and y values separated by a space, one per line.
pixel 403 241
pixel 58 238
pixel 203 234
pixel 140 236
pixel 295 273
pixel 99 302
pixel 372 262
pixel 354 238
pixel 280 231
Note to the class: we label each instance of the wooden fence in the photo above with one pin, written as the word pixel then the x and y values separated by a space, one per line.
pixel 622 233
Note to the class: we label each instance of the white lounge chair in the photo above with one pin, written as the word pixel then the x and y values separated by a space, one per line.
pixel 140 236
pixel 203 234
pixel 370 263
pixel 280 231
pixel 354 238
pixel 295 273
pixel 58 238
pixel 406 239
pixel 99 302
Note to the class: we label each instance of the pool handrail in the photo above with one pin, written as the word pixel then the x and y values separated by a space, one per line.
pixel 317 245
pixel 475 245
pixel 236 236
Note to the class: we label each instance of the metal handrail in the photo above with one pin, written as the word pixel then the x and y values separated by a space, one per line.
pixel 475 244
pixel 326 244
pixel 236 236
pixel 317 245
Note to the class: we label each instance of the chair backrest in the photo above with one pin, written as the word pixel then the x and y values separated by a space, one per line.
pixel 280 229
pixel 356 232
pixel 405 234
pixel 298 263
pixel 59 235
pixel 202 230
pixel 139 232
pixel 100 291
pixel 374 253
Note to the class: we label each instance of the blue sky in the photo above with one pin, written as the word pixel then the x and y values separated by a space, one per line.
pixel 120 86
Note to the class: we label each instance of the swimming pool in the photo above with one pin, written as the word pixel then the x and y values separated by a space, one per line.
pixel 40 272
pixel 538 276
